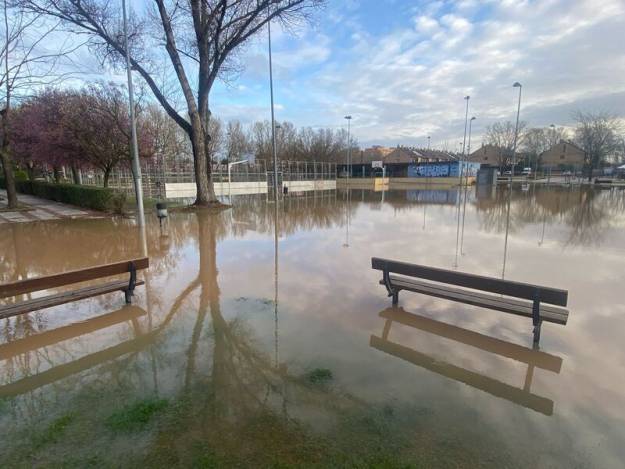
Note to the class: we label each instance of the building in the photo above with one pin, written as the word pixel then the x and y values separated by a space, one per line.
pixel 402 155
pixel 563 155
pixel 374 153
pixel 488 155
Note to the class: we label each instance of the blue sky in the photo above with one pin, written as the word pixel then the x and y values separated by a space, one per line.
pixel 402 68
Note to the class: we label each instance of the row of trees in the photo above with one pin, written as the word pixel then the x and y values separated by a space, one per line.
pixel 598 134
pixel 89 129
pixel 233 142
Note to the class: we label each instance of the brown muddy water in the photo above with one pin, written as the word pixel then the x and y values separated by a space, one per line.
pixel 227 359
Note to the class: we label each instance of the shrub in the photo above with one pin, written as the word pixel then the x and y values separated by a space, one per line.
pixel 96 198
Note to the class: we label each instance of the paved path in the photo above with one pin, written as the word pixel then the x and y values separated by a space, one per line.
pixel 42 209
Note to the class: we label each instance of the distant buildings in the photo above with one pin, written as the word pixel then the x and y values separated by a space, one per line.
pixel 563 154
pixel 488 154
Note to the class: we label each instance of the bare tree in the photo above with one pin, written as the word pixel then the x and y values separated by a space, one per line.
pixel 501 135
pixel 200 39
pixel 215 146
pixel 236 142
pixel 25 63
pixel 597 135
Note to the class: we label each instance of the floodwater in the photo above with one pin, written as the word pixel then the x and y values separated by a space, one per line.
pixel 253 347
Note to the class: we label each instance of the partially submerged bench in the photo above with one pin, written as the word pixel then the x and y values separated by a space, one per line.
pixel 534 301
pixel 31 285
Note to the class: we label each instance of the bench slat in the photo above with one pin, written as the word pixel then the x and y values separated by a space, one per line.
pixel 526 291
pixel 558 316
pixel 67 278
pixel 61 298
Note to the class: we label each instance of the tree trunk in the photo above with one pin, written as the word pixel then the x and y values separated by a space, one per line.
pixel 9 177
pixel 30 169
pixel 5 156
pixel 107 175
pixel 57 174
pixel 205 190
pixel 76 176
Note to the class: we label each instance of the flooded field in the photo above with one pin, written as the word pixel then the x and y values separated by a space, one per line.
pixel 253 347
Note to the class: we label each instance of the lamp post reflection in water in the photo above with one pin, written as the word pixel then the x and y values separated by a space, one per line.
pixel 516 136
pixel 460 168
pixel 466 188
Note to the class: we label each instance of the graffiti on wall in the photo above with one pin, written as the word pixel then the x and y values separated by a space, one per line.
pixel 443 169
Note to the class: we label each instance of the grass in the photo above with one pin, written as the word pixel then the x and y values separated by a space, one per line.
pixel 53 432
pixel 319 376
pixel 136 416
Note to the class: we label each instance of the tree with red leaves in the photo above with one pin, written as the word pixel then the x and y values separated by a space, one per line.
pixel 80 129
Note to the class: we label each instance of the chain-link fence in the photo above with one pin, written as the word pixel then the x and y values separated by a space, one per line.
pixel 156 173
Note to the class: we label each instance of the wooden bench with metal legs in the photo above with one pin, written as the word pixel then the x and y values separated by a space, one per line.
pixel 31 285
pixel 534 301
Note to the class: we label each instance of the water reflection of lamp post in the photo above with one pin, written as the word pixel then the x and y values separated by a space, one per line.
pixel 542 236
pixel 466 188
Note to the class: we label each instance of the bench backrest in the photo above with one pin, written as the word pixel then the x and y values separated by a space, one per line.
pixel 526 291
pixel 67 278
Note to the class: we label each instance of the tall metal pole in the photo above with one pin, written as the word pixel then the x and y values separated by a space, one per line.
pixel 428 142
pixel 134 148
pixel 348 157
pixel 273 121
pixel 466 188
pixel 516 128
pixel 460 167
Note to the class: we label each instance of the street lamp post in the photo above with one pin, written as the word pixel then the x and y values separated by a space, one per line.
pixel 273 120
pixel 348 162
pixel 516 128
pixel 428 142
pixel 134 148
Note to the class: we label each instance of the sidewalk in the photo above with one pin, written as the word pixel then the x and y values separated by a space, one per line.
pixel 38 209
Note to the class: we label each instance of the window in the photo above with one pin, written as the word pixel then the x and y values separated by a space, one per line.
pixel 562 157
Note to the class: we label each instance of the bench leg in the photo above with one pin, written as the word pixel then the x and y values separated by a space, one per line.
pixel 395 296
pixel 131 283
pixel 537 332
pixel 536 320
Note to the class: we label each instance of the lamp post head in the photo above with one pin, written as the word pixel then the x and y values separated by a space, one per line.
pixel 473 118
pixel 552 126
pixel 467 97
pixel 516 85
pixel 348 117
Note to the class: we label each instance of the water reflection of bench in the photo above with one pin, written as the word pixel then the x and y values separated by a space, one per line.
pixel 37 341
pixel 533 358
pixel 523 299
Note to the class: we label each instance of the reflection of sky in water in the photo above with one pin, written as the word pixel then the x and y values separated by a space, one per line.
pixel 329 304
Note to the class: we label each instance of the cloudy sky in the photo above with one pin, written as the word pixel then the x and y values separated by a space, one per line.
pixel 401 68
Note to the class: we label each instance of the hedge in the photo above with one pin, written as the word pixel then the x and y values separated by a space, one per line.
pixel 96 198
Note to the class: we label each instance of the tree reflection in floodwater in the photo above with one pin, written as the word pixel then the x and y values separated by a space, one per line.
pixel 587 213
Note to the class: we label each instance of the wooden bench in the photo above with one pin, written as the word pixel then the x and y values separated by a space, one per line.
pixel 31 285
pixel 534 301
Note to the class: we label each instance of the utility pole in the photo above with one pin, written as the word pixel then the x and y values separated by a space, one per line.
pixel 273 120
pixel 134 146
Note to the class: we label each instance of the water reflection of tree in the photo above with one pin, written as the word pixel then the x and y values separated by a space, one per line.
pixel 586 212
